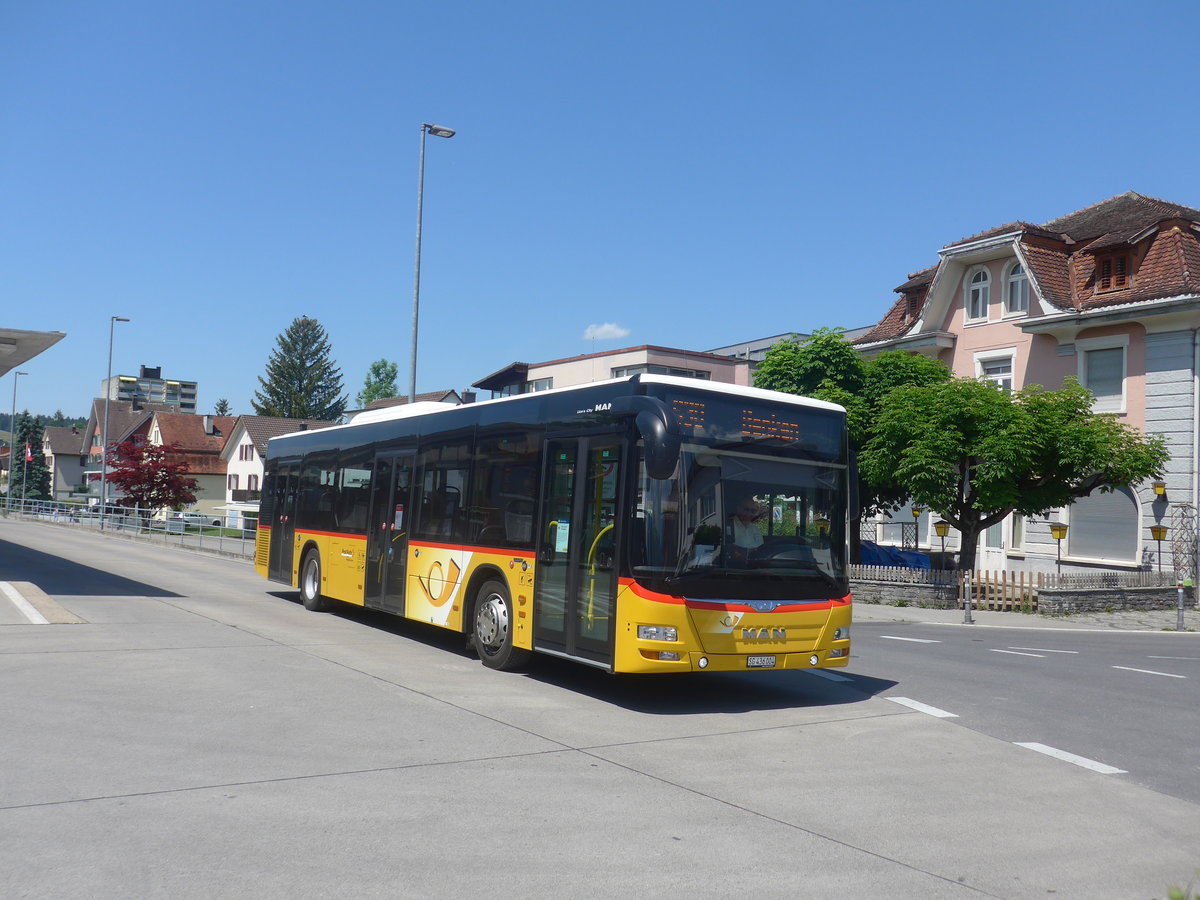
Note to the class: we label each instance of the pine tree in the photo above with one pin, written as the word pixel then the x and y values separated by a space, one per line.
pixel 380 382
pixel 29 479
pixel 301 380
pixel 222 408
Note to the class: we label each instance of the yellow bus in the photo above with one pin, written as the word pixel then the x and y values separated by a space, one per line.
pixel 643 524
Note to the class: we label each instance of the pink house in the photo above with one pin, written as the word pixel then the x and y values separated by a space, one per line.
pixel 1109 294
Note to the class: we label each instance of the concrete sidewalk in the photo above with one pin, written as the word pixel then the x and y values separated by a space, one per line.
pixel 1121 620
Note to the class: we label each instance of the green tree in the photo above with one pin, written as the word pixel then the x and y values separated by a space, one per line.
pixel 803 367
pixel 380 382
pixel 973 453
pixel 222 408
pixel 151 476
pixel 28 478
pixel 301 380
pixel 828 367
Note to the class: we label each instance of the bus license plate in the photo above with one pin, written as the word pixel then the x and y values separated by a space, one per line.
pixel 760 662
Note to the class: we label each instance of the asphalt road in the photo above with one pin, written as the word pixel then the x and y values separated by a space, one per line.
pixel 1128 700
pixel 199 734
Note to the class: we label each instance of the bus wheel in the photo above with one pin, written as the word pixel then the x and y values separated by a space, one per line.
pixel 493 626
pixel 310 583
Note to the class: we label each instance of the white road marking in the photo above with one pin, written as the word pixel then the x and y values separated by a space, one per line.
pixel 24 606
pixel 831 676
pixel 1149 672
pixel 1193 658
pixel 1017 653
pixel 921 707
pixel 1072 758
pixel 892 637
pixel 1044 650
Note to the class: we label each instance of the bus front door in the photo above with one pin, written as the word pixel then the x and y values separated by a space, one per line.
pixel 283 526
pixel 576 589
pixel 387 539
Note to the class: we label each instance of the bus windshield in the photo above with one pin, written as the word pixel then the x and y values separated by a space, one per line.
pixel 738 524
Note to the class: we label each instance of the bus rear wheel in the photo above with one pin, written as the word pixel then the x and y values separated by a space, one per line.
pixel 310 583
pixel 492 630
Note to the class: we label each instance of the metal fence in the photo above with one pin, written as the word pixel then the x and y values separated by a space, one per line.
pixel 144 525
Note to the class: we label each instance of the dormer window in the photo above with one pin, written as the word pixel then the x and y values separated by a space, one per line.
pixel 1112 272
pixel 978 296
pixel 1016 294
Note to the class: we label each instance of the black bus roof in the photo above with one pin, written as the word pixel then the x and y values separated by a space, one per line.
pixel 567 407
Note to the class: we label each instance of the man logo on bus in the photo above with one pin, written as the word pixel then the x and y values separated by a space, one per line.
pixel 764 634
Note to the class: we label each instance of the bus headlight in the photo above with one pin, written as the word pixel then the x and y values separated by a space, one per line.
pixel 657 633
pixel 841 634
pixel 839 652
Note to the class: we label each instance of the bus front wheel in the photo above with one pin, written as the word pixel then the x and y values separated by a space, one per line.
pixel 492 632
pixel 310 583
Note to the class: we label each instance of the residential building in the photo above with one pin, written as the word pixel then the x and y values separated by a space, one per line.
pixel 127 420
pixel 67 459
pixel 150 387
pixel 243 455
pixel 1109 294
pixel 200 440
pixel 522 378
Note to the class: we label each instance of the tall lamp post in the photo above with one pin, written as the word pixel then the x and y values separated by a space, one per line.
pixel 436 131
pixel 12 441
pixel 1058 531
pixel 112 324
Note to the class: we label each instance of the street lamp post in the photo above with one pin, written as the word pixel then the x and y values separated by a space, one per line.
pixel 1058 531
pixel 112 324
pixel 942 527
pixel 12 440
pixel 436 131
pixel 1158 532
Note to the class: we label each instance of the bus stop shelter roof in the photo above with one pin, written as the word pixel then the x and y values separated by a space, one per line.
pixel 18 347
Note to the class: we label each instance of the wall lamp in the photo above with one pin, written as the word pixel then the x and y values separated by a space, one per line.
pixel 1160 489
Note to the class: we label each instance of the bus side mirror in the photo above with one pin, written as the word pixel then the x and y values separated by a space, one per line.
pixel 659 432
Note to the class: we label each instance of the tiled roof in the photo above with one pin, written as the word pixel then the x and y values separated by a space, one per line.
pixel 260 429
pixel 188 431
pixel 1051 271
pixel 1164 258
pixel 1126 213
pixel 434 396
pixel 64 441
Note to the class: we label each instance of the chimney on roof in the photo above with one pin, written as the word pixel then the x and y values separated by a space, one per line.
pixel 208 424
pixel 468 396
pixel 303 426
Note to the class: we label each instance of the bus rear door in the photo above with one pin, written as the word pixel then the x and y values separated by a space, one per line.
pixel 576 589
pixel 387 538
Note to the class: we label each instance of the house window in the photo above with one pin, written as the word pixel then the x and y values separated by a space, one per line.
pixel 978 295
pixel 1112 272
pixel 233 482
pixel 252 482
pixel 996 366
pixel 1018 533
pixel 1105 526
pixel 1016 295
pixel 998 371
pixel 1102 371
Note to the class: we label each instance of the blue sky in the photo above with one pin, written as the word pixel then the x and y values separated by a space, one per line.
pixel 694 174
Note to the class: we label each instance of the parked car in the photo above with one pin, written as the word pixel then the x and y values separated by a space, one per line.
pixel 193 518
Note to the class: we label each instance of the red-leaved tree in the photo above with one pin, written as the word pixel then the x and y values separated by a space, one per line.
pixel 152 476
